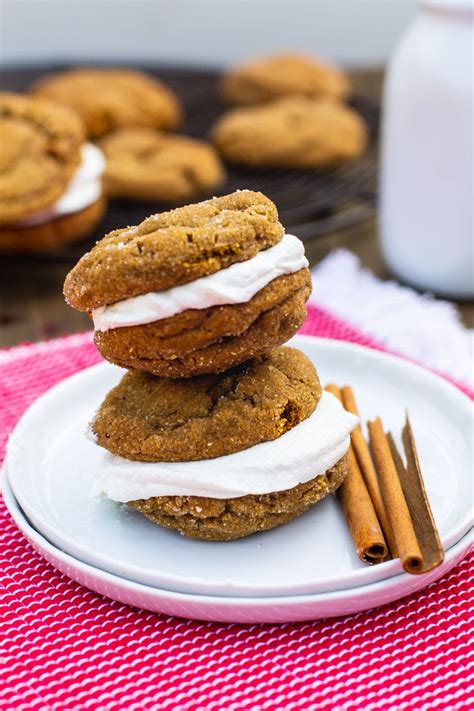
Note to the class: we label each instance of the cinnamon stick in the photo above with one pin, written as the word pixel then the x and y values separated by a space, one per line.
pixel 368 471
pixel 413 487
pixel 397 508
pixel 358 508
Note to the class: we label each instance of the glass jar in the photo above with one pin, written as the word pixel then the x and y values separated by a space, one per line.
pixel 427 152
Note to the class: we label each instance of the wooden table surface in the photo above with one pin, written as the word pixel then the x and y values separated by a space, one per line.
pixel 32 307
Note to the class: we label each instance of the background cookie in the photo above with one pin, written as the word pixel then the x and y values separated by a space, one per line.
pixel 148 165
pixel 173 248
pixel 111 98
pixel 294 132
pixel 262 80
pixel 40 150
pixel 156 419
pixel 55 233
pixel 228 519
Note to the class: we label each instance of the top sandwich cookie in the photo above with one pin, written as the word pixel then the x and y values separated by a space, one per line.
pixel 107 99
pixel 194 290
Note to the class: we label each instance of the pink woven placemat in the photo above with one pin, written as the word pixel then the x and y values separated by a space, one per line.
pixel 64 647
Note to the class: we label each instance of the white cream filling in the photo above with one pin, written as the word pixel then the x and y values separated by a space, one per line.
pixel 84 189
pixel 234 285
pixel 301 454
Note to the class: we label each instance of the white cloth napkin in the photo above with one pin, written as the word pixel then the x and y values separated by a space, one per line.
pixel 416 325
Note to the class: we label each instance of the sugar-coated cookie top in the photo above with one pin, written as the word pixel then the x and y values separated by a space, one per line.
pixel 173 248
pixel 146 418
pixel 111 98
pixel 40 150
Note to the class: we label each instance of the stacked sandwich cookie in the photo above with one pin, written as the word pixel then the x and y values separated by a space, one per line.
pixel 216 430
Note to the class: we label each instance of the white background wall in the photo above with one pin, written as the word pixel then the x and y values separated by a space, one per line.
pixel 209 32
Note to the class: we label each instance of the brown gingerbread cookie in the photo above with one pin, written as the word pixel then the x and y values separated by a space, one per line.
pixel 291 74
pixel 180 247
pixel 151 419
pixel 173 248
pixel 296 132
pixel 40 150
pixel 107 99
pixel 229 519
pixel 144 164
pixel 54 233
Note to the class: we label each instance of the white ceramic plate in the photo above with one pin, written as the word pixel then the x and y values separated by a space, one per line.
pixel 51 466
pixel 234 609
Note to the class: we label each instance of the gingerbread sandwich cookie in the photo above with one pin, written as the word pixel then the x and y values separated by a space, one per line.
pixel 223 456
pixel 50 178
pixel 194 290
